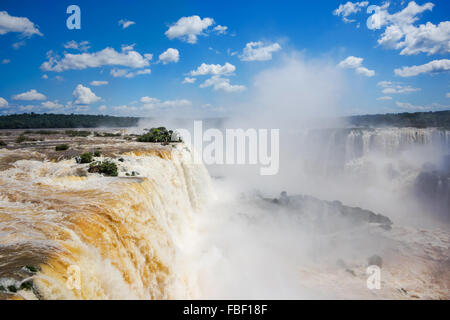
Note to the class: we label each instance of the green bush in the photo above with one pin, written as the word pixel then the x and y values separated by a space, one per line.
pixel 86 157
pixel 77 133
pixel 23 138
pixel 160 134
pixel 97 153
pixel 62 147
pixel 106 167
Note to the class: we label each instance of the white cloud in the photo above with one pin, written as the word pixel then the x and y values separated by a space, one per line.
pixel 52 104
pixel 257 51
pixel 30 95
pixel 44 76
pixel 221 84
pixel 128 47
pixel 84 95
pixel 105 57
pixel 97 83
pixel 395 88
pixel 434 66
pixel 189 80
pixel 82 46
pixel 102 108
pixel 401 34
pixel 349 8
pixel 448 95
pixel 126 23
pixel 220 29
pixel 189 28
pixel 152 103
pixel 364 71
pixel 170 55
pixel 3 103
pixel 6 61
pixel 352 62
pixel 384 98
pixel 17 24
pixel 118 73
pixel 410 107
pixel 213 69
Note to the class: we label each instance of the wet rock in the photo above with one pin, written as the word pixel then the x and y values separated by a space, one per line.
pixel 303 204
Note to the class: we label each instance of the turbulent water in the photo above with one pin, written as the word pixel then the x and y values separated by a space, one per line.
pixel 96 237
pixel 171 232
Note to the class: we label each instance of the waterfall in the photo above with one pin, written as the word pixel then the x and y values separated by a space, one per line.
pixel 95 237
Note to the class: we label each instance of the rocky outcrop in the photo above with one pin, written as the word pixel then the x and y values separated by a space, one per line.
pixel 302 204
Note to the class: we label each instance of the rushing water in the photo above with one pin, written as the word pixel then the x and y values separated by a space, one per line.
pixel 123 236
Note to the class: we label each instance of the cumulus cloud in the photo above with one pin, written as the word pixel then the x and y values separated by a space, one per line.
pixel 434 66
pixel 84 95
pixel 44 76
pixel 189 80
pixel 257 51
pixel 220 29
pixel 3 103
pixel 189 28
pixel 352 62
pixel 102 108
pixel 29 96
pixel 395 88
pixel 384 98
pixel 222 84
pixel 349 8
pixel 97 83
pixel 400 33
pixel 119 73
pixel 17 24
pixel 52 105
pixel 213 69
pixel 105 57
pixel 126 23
pixel 170 55
pixel 82 46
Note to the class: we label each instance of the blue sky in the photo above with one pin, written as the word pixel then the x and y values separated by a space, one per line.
pixel 105 67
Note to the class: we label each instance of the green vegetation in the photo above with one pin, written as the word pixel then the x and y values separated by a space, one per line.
pixel 86 157
pixel 23 138
pixel 77 133
pixel 31 269
pixel 106 167
pixel 50 120
pixel 62 147
pixel 160 134
pixel 47 132
pixel 418 120
pixel 107 134
pixel 97 153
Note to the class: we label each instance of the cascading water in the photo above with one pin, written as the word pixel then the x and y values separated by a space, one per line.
pixel 97 237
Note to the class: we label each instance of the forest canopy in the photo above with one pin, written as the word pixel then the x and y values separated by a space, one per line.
pixel 50 120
